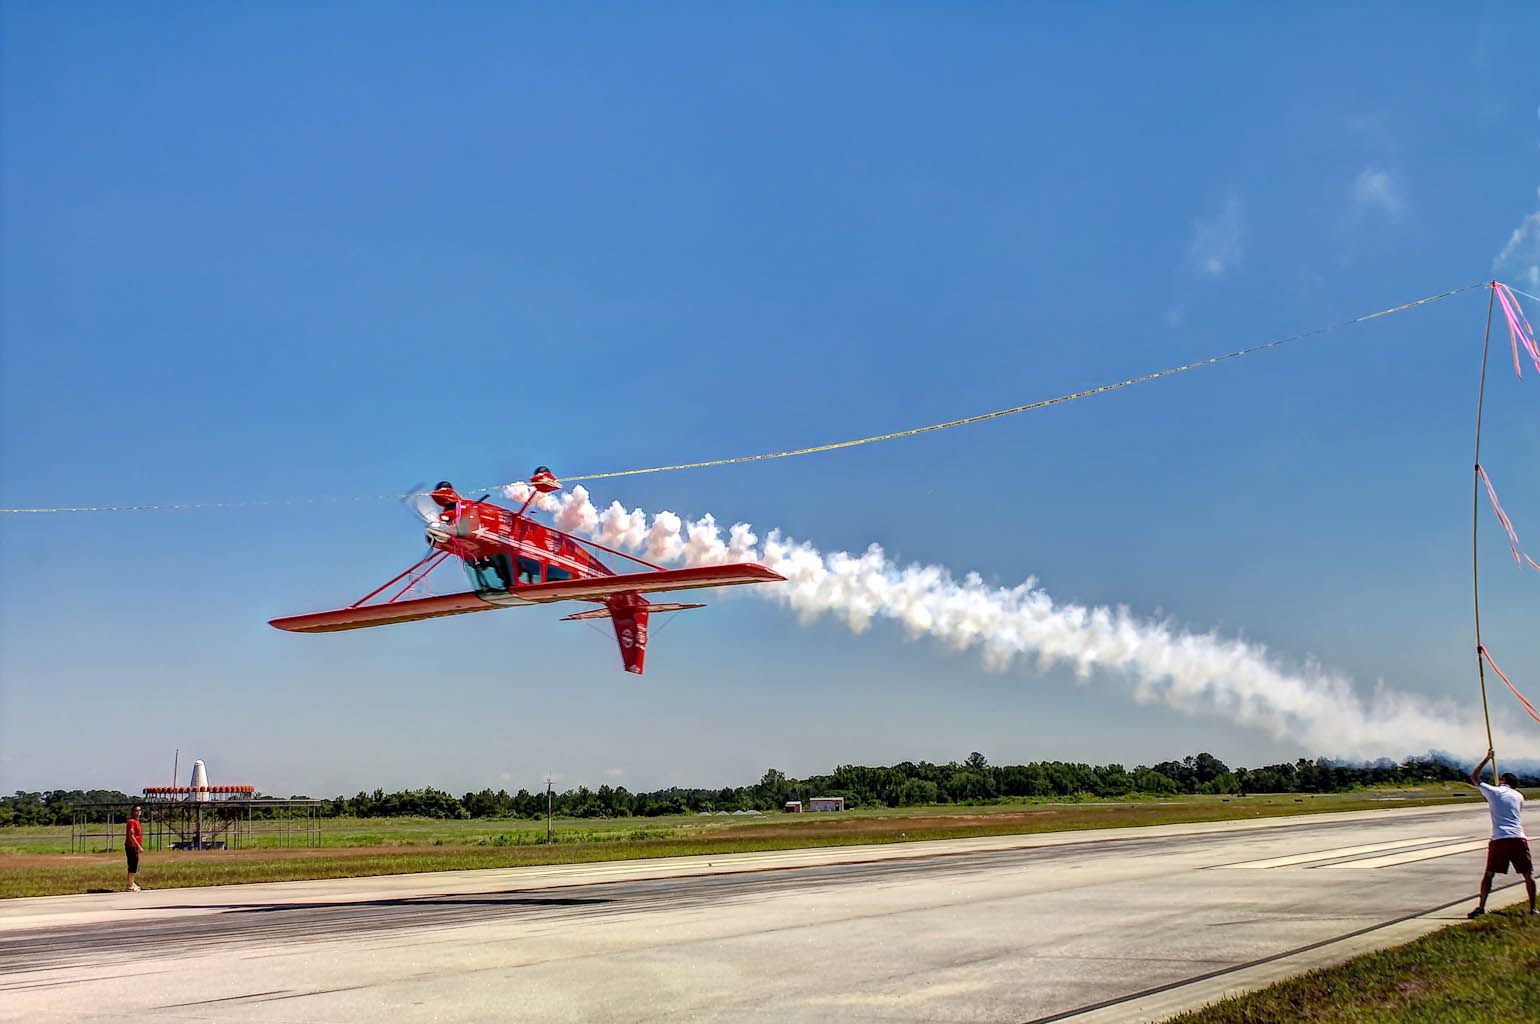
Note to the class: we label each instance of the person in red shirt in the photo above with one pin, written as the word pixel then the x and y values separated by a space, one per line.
pixel 133 845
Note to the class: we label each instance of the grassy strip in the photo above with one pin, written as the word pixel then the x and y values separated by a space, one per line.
pixel 378 847
pixel 1477 973
pixel 354 833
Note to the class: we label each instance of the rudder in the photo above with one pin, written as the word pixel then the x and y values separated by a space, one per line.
pixel 629 613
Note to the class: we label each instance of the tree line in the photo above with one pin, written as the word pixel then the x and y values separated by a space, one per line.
pixel 54 807
pixel 908 784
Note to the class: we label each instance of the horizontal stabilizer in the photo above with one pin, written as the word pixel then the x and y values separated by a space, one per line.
pixel 604 613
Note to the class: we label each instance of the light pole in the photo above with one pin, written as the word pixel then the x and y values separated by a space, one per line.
pixel 548 809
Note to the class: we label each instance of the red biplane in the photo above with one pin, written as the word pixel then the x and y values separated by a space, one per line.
pixel 512 560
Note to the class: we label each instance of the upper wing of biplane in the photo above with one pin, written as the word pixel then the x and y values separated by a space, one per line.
pixel 595 589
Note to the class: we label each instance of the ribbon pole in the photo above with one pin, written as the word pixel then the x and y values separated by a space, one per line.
pixel 1475 519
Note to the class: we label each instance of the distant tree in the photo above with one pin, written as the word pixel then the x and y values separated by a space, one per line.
pixel 1023 780
pixel 1066 779
pixel 966 787
pixel 1179 772
pixel 770 793
pixel 1206 768
pixel 1225 782
pixel 1148 780
pixel 1111 780
pixel 917 791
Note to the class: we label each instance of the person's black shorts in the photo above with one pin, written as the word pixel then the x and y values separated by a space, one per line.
pixel 133 858
pixel 1501 853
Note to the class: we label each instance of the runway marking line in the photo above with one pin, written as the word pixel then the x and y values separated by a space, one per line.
pixel 1334 854
pixel 1414 856
pixel 224 999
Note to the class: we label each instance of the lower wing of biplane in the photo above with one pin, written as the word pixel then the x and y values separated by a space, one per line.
pixel 621 597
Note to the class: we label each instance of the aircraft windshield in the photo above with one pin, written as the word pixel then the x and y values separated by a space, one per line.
pixel 502 571
pixel 495 572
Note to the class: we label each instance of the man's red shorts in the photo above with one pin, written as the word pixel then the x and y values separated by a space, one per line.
pixel 1504 852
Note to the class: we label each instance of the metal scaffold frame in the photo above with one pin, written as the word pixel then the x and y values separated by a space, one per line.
pixel 171 820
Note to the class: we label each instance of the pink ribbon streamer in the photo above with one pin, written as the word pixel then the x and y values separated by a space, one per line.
pixel 1522 699
pixel 1519 330
pixel 1502 517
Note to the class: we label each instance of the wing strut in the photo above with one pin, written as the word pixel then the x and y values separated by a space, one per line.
pixel 433 557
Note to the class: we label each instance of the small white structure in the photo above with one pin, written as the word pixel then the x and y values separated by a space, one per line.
pixel 200 783
pixel 793 807
pixel 826 803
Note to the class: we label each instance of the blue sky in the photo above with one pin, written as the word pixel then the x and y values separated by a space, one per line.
pixel 288 251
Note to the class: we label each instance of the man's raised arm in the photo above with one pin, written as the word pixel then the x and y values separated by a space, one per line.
pixel 1474 778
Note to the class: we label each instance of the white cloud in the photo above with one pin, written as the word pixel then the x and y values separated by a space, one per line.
pixel 1216 242
pixel 1520 258
pixel 614 773
pixel 1375 187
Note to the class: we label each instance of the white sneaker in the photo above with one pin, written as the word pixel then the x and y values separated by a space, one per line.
pixel 134 887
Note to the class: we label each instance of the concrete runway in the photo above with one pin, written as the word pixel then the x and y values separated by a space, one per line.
pixel 1090 927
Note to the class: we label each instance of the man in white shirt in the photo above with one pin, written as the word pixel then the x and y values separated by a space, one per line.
pixel 1509 845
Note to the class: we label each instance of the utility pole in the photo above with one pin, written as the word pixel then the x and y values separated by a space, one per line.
pixel 547 808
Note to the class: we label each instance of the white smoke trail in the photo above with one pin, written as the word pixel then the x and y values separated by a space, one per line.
pixel 1193 672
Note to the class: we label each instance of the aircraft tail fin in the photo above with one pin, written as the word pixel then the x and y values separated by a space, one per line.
pixel 628 614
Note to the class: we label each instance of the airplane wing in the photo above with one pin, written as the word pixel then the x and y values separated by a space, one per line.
pixel 384 614
pixel 595 589
pixel 600 587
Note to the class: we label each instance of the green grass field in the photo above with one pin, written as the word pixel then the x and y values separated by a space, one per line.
pixel 1483 972
pixel 36 861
